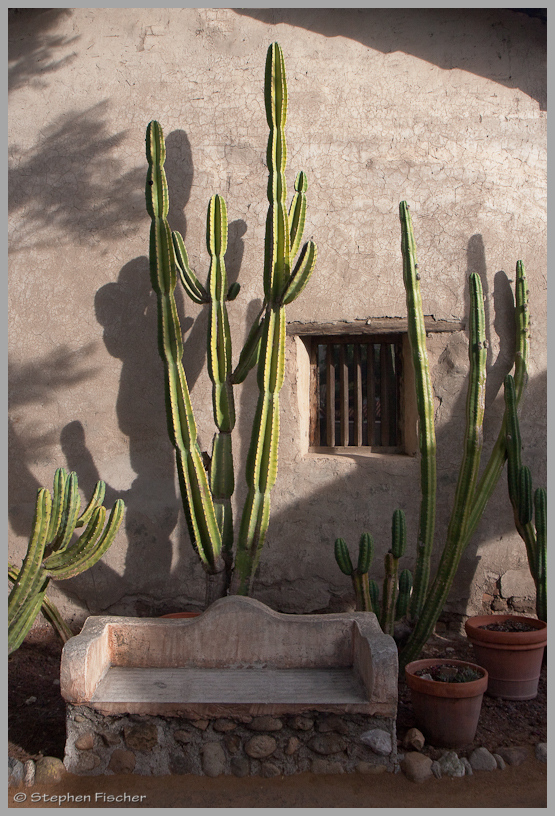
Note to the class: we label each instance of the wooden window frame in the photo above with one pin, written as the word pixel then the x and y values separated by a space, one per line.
pixel 345 426
pixel 306 334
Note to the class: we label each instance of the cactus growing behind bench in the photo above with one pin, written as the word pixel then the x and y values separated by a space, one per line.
pixel 207 496
pixel 51 552
pixel 396 587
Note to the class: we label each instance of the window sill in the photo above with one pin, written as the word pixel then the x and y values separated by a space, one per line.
pixel 364 452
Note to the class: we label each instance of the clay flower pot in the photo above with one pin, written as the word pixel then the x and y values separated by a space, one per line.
pixel 447 713
pixel 513 659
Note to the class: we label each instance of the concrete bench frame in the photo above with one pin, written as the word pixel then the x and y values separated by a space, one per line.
pixel 235 635
pixel 240 690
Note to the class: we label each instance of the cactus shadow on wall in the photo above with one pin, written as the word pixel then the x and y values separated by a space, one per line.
pixel 40 382
pixel 127 311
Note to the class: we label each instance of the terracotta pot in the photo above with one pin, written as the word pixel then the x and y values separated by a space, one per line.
pixel 446 713
pixel 181 615
pixel 513 659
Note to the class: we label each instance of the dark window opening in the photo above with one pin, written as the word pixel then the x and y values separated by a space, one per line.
pixel 356 391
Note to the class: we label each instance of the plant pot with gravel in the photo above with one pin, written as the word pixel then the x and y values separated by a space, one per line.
pixel 511 648
pixel 446 697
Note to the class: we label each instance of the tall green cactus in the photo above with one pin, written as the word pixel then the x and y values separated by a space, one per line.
pixel 207 497
pixel 472 493
pixel 52 553
pixel 525 505
pixel 420 603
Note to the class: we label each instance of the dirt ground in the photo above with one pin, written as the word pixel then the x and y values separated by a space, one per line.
pixel 36 727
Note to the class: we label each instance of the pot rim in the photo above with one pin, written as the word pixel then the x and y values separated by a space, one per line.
pixel 437 688
pixel 536 637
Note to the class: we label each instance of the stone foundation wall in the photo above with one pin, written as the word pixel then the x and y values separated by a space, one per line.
pixel 264 746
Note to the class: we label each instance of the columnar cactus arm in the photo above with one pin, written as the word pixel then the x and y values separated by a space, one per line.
pixel 496 462
pixel 25 598
pixel 391 577
pixel 41 564
pixel 189 280
pixel 251 350
pixel 97 538
pixel 222 481
pixel 519 480
pixel 425 407
pixel 97 499
pixel 359 576
pixel 219 336
pixel 261 468
pixel 197 500
pixel 48 609
pixel 70 514
pixel 517 493
pixel 457 535
pixel 301 273
pixel 403 598
pixel 297 213
pixel 540 507
pixel 57 509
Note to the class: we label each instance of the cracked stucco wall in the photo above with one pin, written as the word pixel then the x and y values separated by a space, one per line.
pixel 443 108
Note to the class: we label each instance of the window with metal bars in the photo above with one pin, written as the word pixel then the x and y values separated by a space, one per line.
pixel 356 397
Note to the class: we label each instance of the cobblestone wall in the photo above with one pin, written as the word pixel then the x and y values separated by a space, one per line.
pixel 265 746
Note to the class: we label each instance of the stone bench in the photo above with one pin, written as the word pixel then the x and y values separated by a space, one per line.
pixel 239 662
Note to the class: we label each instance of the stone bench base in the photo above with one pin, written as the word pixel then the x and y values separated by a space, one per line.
pixel 312 741
pixel 240 690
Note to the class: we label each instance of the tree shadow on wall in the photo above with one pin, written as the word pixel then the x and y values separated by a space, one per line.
pixel 31 49
pixel 72 182
pixel 481 44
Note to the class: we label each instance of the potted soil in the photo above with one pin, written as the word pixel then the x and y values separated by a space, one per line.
pixel 446 696
pixel 511 648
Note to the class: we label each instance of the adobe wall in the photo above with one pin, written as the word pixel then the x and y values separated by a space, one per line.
pixel 442 108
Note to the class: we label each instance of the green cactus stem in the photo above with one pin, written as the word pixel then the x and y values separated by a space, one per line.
pixel 282 285
pixel 207 498
pixel 359 576
pixel 403 597
pixel 391 577
pixel 540 509
pixel 425 407
pixel 457 538
pixel 51 552
pixel 526 505
pixel 48 609
pixel 472 492
pixel 195 490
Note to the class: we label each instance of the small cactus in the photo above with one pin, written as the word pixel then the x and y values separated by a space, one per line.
pixel 367 593
pixel 51 553
pixel 359 576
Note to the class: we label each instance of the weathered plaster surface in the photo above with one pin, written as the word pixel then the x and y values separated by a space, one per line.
pixel 443 108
